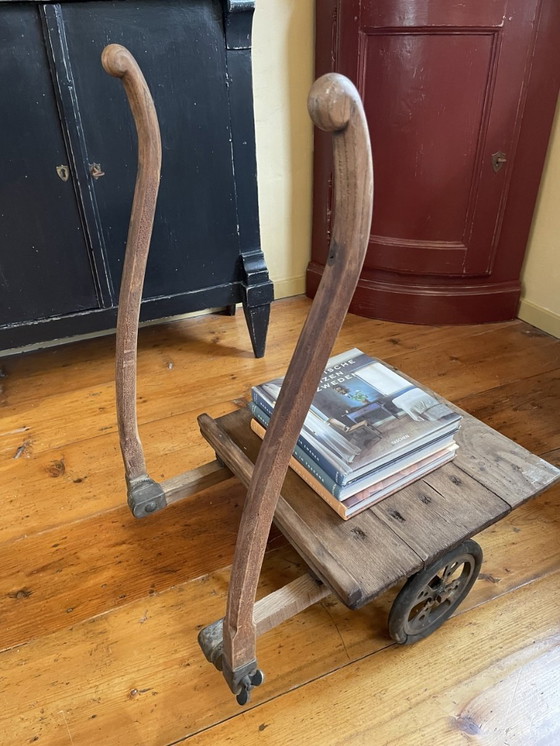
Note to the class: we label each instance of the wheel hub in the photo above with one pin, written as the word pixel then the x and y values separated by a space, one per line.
pixel 432 595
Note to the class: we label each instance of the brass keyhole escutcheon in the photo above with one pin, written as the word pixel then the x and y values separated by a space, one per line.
pixel 498 160
pixel 63 172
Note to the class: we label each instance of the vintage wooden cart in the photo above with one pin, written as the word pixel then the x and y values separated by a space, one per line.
pixel 421 533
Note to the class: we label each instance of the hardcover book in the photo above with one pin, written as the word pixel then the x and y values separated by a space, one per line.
pixel 342 492
pixel 365 498
pixel 364 416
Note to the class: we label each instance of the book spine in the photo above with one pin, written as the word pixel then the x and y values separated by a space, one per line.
pixel 308 478
pixel 261 402
pixel 329 469
pixel 361 501
pixel 352 509
pixel 320 474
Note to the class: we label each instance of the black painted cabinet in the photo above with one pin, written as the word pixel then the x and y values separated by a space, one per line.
pixel 70 145
pixel 43 243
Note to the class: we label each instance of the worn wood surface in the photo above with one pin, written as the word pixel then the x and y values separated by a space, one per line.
pixel 320 556
pixel 396 537
pixel 334 106
pixel 501 465
pixel 503 693
pixel 363 556
pixel 441 511
pixel 61 577
pixel 284 603
pixel 124 667
pixel 87 476
pixel 120 63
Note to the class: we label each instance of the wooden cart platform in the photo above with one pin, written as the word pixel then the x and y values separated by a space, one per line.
pixel 360 558
pixel 420 533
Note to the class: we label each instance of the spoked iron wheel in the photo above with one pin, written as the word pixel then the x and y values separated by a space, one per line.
pixel 430 597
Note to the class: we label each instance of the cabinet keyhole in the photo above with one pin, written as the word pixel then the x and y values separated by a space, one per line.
pixel 63 172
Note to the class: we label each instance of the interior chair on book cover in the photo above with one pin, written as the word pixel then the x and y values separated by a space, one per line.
pixel 421 406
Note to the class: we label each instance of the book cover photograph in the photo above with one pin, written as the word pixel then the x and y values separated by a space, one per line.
pixel 364 415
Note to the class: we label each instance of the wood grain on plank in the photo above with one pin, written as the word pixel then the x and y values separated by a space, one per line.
pixel 53 488
pixel 526 410
pixel 65 408
pixel 440 510
pixel 438 691
pixel 102 673
pixel 51 580
pixel 168 350
pixel 137 675
pixel 475 364
pixel 501 465
pixel 522 704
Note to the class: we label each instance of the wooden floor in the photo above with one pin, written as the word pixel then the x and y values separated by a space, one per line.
pixel 99 613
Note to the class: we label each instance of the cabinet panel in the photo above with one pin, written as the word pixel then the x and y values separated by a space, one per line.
pixel 181 51
pixel 459 98
pixel 444 92
pixel 416 110
pixel 62 240
pixel 45 267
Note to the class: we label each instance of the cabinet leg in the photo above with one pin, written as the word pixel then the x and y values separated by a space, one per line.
pixel 257 322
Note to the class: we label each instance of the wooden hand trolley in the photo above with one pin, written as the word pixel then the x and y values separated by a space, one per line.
pixel 421 533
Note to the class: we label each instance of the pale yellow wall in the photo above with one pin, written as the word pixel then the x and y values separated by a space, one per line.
pixel 540 303
pixel 283 64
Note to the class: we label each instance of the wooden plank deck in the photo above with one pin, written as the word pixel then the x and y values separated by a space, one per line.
pixel 395 538
pixel 101 612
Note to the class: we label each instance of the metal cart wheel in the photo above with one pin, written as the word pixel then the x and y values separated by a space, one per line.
pixel 430 597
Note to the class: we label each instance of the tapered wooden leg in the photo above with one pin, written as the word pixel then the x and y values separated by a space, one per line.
pixel 257 318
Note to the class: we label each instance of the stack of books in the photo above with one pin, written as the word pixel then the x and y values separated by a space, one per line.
pixel 369 432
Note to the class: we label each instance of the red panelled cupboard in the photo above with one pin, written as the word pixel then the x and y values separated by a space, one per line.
pixel 460 98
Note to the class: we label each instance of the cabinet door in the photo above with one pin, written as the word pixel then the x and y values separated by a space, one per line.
pixel 180 47
pixel 443 83
pixel 45 267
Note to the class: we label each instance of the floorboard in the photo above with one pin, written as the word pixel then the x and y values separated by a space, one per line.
pixel 100 613
pixel 506 693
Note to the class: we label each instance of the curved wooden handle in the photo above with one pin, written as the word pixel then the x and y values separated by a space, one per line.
pixel 144 495
pixel 334 105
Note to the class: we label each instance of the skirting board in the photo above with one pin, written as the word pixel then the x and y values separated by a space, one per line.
pixel 288 287
pixel 540 317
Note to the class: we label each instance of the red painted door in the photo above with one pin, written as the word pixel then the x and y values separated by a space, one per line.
pixel 446 85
